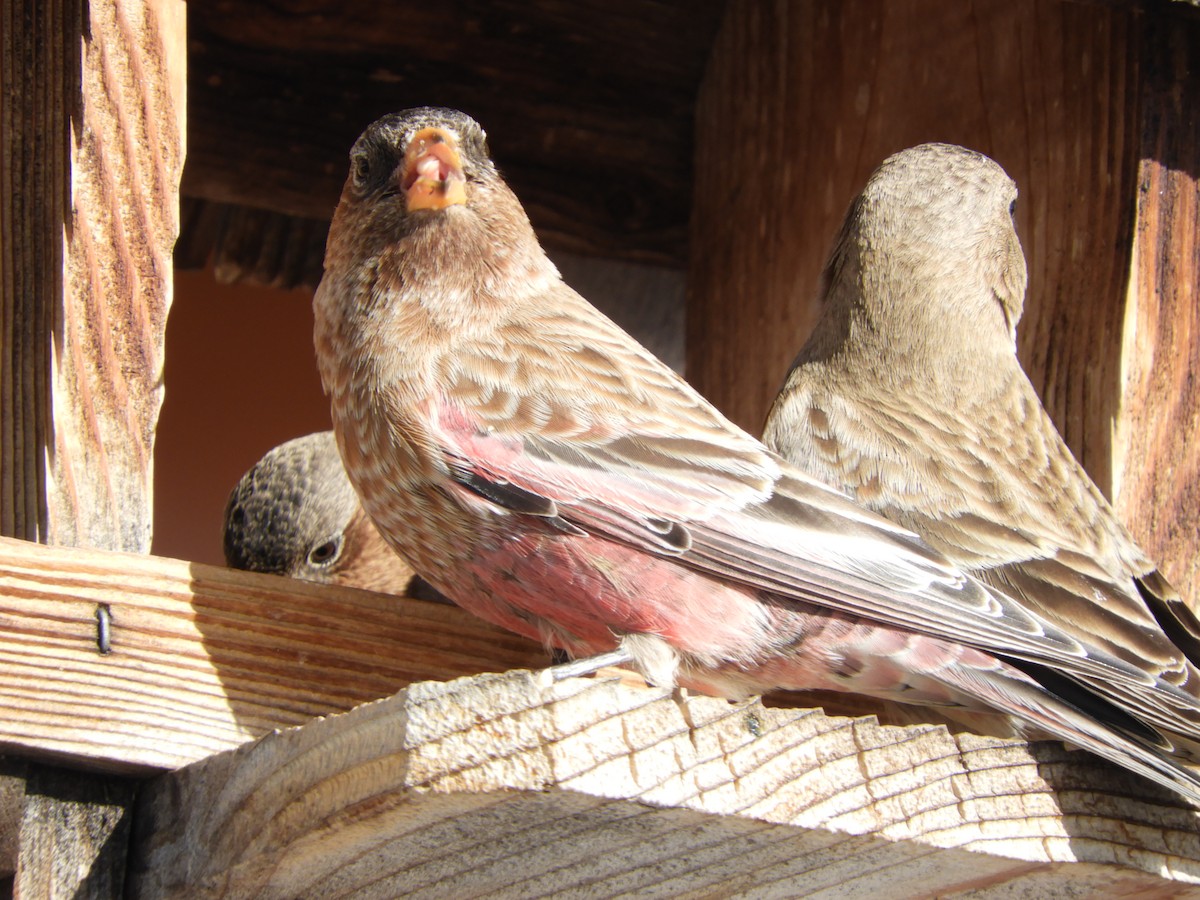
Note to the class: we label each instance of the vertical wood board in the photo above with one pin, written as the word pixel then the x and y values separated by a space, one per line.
pixel 92 125
pixel 127 147
pixel 1158 494
pixel 40 59
pixel 802 100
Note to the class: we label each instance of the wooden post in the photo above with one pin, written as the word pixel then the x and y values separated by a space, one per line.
pixel 802 100
pixel 1158 462
pixel 13 773
pixel 92 122
pixel 92 132
pixel 40 72
pixel 74 835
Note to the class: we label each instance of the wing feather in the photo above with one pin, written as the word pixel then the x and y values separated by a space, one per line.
pixel 637 456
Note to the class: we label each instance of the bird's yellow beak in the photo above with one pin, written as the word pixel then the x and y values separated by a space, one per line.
pixel 433 176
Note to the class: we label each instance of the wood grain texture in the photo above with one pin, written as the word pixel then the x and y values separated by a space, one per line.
pixel 1159 426
pixel 203 658
pixel 74 835
pixel 13 773
pixel 1046 88
pixel 588 104
pixel 257 246
pixel 127 151
pixel 40 44
pixel 499 786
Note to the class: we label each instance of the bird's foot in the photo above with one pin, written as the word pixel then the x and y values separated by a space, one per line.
pixel 588 665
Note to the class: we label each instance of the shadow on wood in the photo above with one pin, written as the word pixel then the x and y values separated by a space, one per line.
pixel 841 86
pixel 74 834
pixel 588 104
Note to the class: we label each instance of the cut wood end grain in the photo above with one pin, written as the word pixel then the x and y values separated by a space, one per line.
pixel 498 785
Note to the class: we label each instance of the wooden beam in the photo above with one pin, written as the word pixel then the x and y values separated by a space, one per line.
pixel 588 105
pixel 1046 88
pixel 1158 465
pixel 13 773
pixel 501 786
pixel 200 658
pixel 261 247
pixel 74 835
pixel 92 124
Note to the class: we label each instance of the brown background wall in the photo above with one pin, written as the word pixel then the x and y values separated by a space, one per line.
pixel 240 379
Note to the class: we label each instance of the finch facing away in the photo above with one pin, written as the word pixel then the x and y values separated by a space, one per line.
pixel 544 471
pixel 910 396
pixel 294 513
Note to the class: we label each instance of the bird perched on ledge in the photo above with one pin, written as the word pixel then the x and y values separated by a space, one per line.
pixel 910 396
pixel 544 471
pixel 295 513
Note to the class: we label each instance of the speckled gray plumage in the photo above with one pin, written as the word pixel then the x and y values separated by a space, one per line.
pixel 292 502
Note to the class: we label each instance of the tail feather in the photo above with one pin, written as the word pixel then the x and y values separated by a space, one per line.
pixel 1050 704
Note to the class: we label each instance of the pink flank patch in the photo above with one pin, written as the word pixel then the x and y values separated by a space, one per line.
pixel 597 590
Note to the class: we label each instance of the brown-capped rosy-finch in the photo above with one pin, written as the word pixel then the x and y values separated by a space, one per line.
pixel 543 470
pixel 294 513
pixel 910 396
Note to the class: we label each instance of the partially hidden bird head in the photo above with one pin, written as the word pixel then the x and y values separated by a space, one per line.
pixel 290 513
pixel 414 175
pixel 934 224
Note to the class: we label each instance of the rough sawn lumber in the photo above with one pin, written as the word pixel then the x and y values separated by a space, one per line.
pixel 504 786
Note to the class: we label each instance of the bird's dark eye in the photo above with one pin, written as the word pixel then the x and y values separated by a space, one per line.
pixel 360 168
pixel 1012 208
pixel 325 553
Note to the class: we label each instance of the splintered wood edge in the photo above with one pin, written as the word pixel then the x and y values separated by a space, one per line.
pixel 503 785
pixel 200 658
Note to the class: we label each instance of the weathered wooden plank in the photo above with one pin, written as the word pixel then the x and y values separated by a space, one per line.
pixel 40 46
pixel 12 803
pixel 93 149
pixel 201 658
pixel 270 248
pixel 74 835
pixel 120 226
pixel 1048 89
pixel 1159 425
pixel 501 786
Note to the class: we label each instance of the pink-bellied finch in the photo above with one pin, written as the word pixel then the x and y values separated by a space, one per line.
pixel 543 470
